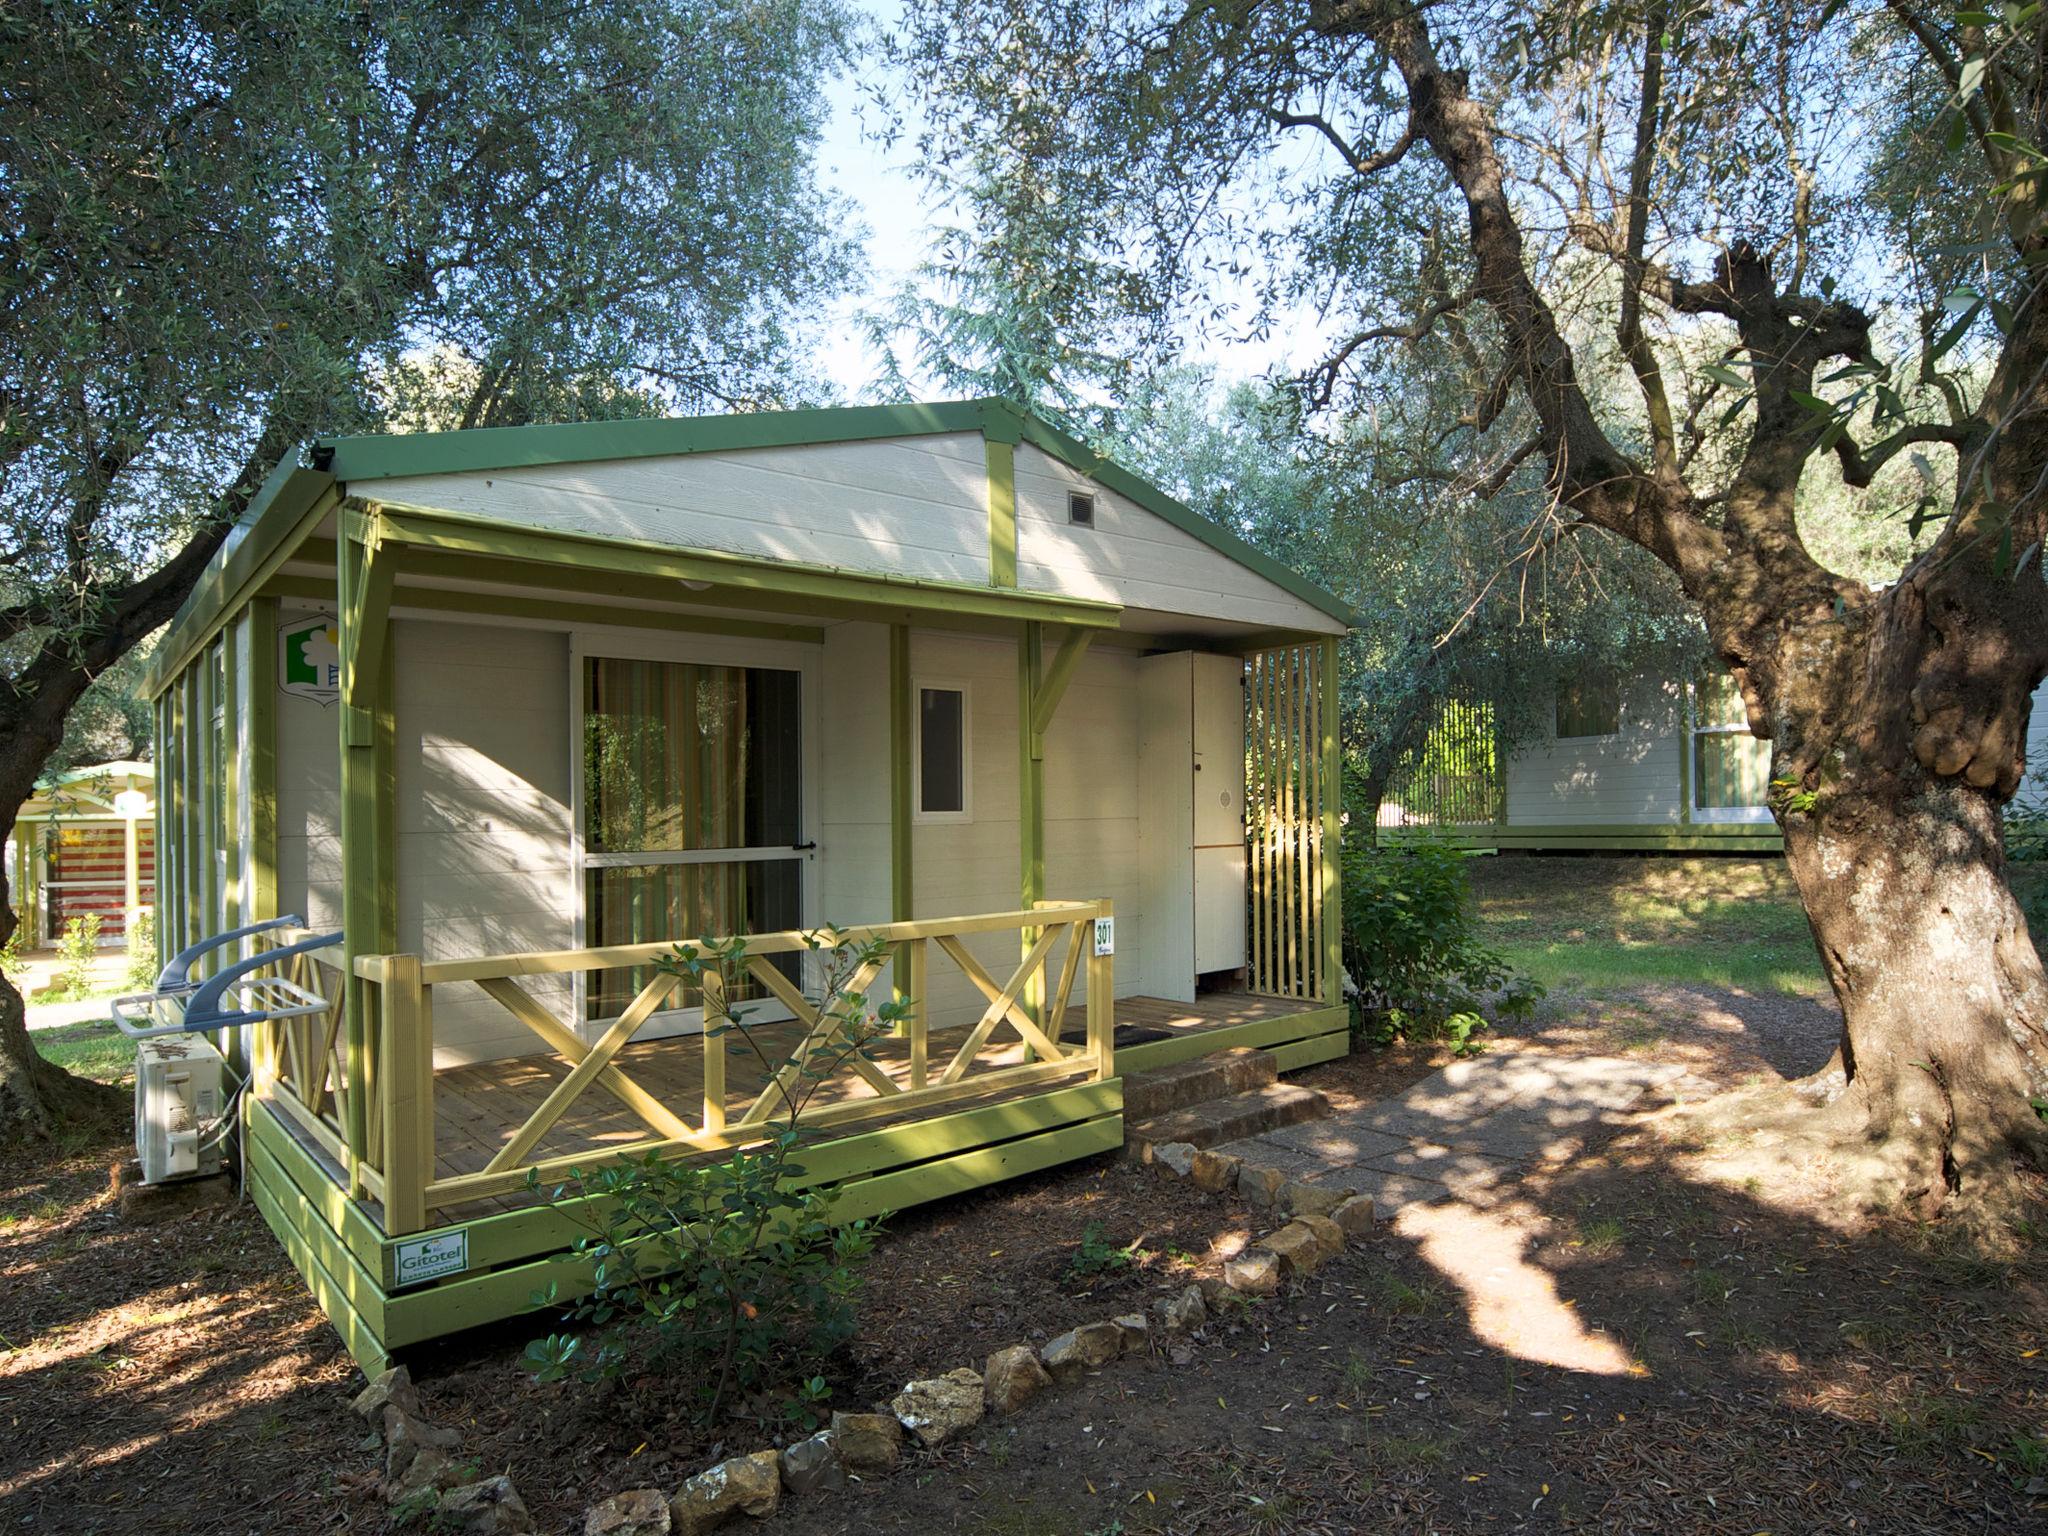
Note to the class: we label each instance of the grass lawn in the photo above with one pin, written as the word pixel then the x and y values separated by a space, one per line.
pixel 94 1049
pixel 1597 925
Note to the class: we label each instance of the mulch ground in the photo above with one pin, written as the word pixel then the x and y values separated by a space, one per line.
pixel 1784 1377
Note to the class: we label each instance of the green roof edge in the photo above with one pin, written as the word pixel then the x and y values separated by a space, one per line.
pixel 304 475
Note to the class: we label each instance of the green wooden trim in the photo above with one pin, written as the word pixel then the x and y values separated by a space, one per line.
pixel 1685 753
pixel 354 1302
pixel 1002 512
pixel 513 605
pixel 1030 800
pixel 1330 896
pixel 316 1184
pixel 902 733
pixel 508 1292
pixel 293 501
pixel 259 750
pixel 192 875
pixel 1700 836
pixel 862 592
pixel 389 456
pixel 1313 1051
pixel 514 1236
pixel 1309 1024
pixel 1045 702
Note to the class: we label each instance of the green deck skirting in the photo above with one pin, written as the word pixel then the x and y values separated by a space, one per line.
pixel 347 1262
pixel 1316 1024
pixel 1695 837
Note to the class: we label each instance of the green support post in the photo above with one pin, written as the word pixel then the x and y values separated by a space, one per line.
pixel 1331 895
pixel 258 746
pixel 902 729
pixel 1030 796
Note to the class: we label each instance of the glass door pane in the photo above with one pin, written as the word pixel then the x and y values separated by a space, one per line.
pixel 692 811
pixel 1730 771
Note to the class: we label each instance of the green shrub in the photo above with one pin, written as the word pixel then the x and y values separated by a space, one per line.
pixel 10 952
pixel 1096 1255
pixel 142 966
pixel 1411 951
pixel 727 1276
pixel 76 952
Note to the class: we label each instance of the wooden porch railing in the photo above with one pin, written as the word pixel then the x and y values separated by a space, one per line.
pixel 386 1138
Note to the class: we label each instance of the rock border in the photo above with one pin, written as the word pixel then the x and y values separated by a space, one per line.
pixel 421 1472
pixel 935 1411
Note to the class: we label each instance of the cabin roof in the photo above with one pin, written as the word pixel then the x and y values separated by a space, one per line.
pixel 302 486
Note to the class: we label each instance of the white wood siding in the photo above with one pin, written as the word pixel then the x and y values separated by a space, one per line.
pixel 483 765
pixel 915 506
pixel 1091 794
pixel 2037 738
pixel 1137 558
pixel 1631 778
pixel 308 800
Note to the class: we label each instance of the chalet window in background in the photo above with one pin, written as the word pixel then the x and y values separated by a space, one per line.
pixel 942 752
pixel 1588 707
pixel 1731 769
pixel 1081 509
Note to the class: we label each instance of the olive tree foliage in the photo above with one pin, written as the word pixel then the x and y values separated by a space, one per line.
pixel 1455 606
pixel 1695 267
pixel 228 227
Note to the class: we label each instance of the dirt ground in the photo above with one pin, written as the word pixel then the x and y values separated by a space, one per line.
pixel 1774 1374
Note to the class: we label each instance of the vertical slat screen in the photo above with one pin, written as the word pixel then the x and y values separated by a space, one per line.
pixel 1285 798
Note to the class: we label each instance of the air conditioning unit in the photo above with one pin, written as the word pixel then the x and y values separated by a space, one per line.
pixel 177 1107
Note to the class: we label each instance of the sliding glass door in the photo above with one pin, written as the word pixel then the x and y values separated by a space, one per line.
pixel 692 785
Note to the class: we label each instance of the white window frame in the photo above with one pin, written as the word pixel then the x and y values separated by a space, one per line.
pixel 1694 730
pixel 705 650
pixel 918 814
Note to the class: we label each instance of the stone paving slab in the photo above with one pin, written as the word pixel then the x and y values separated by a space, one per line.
pixel 1463 1131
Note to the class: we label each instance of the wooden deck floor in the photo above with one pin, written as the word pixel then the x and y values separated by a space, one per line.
pixel 479 1108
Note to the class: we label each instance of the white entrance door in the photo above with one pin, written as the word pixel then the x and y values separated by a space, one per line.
pixel 693 786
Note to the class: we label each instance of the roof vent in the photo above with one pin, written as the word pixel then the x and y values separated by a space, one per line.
pixel 1081 509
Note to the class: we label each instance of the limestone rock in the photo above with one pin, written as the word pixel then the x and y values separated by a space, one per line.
pixel 1215 1172
pixel 1135 1328
pixel 489 1508
pixel 1299 1199
pixel 427 1467
pixel 868 1442
pixel 942 1408
pixel 1297 1248
pixel 1217 1295
pixel 1260 1187
pixel 1083 1349
pixel 637 1512
pixel 1177 1155
pixel 1181 1312
pixel 1329 1236
pixel 748 1485
pixel 813 1465
pixel 406 1436
pixel 1014 1376
pixel 1254 1272
pixel 1355 1216
pixel 387 1389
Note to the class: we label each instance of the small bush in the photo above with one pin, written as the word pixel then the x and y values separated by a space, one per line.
pixel 1416 966
pixel 730 1278
pixel 76 952
pixel 142 966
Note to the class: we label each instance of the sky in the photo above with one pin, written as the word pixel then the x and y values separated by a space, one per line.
pixel 894 207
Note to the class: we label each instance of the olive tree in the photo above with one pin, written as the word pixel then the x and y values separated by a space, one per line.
pixel 1806 239
pixel 227 227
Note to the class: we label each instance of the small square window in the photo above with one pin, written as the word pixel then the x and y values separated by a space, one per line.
pixel 1081 509
pixel 1588 707
pixel 942 767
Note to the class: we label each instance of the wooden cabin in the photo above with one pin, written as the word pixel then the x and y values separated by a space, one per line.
pixel 84 845
pixel 515 710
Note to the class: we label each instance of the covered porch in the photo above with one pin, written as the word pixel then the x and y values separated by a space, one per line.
pixel 514 762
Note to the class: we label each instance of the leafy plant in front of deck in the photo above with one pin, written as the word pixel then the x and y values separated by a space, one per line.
pixel 1096 1256
pixel 1412 953
pixel 731 1277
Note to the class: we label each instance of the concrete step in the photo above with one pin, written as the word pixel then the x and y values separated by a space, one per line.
pixel 1210 1124
pixel 1164 1089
